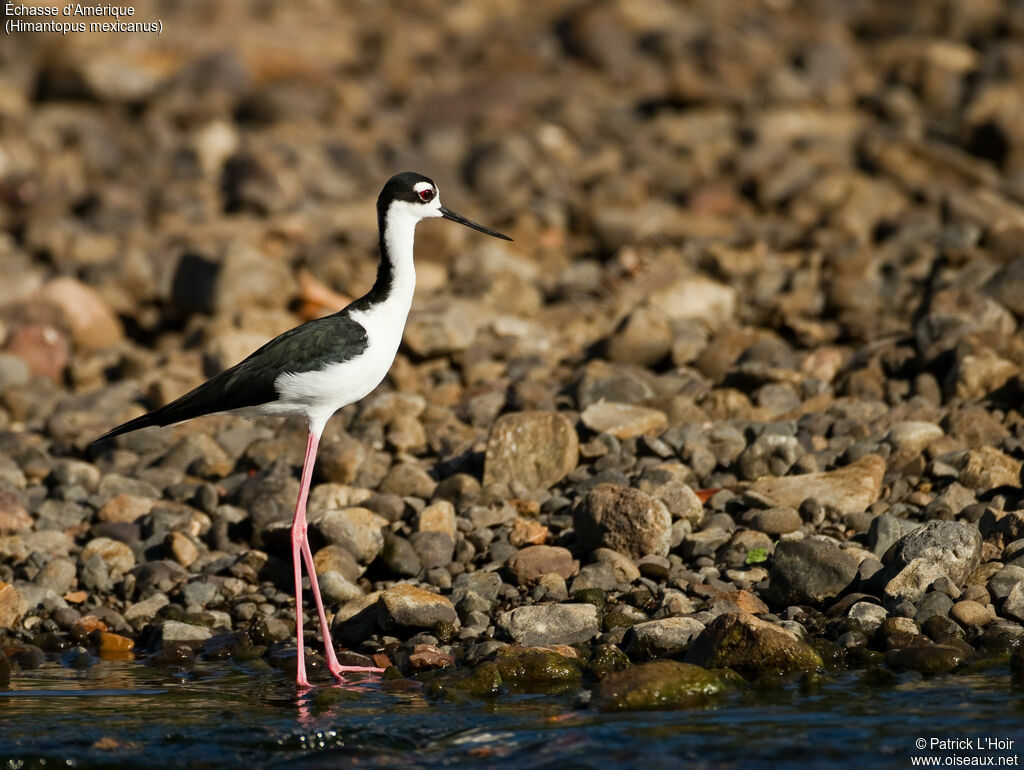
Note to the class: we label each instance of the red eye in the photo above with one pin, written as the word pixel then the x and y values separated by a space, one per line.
pixel 426 195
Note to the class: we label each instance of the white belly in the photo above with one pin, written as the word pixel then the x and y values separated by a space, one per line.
pixel 319 394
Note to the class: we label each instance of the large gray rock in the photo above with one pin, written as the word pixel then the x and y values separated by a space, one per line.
pixel 543 624
pixel 662 638
pixel 810 571
pixel 359 530
pixel 952 546
pixel 623 519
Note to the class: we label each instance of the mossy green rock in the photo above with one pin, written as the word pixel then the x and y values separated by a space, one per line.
pixel 657 685
pixel 608 659
pixel 530 668
pixel 484 681
pixel 594 596
pixel 617 620
pixel 752 647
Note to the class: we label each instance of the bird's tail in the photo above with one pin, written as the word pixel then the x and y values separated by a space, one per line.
pixel 145 421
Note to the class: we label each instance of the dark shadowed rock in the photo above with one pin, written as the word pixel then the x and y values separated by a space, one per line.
pixel 810 571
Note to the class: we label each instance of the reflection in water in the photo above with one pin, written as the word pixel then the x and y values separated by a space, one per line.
pixel 224 715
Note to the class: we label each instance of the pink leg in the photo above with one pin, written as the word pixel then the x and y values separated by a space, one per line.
pixel 333 665
pixel 299 538
pixel 300 544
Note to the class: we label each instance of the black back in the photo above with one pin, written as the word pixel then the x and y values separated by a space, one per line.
pixel 306 348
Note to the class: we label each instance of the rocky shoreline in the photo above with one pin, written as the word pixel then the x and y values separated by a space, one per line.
pixel 741 402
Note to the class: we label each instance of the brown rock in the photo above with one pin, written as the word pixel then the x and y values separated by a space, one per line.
pixel 182 549
pixel 118 557
pixel 439 517
pixel 13 516
pixel 114 643
pixel 537 449
pixel 971 613
pixel 745 601
pixel 426 656
pixel 42 346
pixel 12 606
pixel 988 468
pixel 336 558
pixel 643 337
pixel 624 420
pixel 406 606
pixel 92 322
pixel 849 490
pixel 357 529
pixel 126 508
pixel 527 532
pixel 529 564
pixel 623 519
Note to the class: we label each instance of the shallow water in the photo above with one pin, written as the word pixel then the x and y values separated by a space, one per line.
pixel 122 714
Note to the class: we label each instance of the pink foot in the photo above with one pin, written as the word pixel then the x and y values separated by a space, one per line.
pixel 340 671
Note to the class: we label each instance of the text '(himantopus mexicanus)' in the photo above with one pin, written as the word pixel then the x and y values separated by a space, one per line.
pixel 315 369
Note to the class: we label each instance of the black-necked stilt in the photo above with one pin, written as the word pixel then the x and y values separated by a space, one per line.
pixel 315 369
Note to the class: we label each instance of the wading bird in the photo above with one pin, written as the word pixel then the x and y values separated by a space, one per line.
pixel 315 369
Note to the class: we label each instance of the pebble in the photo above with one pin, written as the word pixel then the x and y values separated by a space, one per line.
pixel 952 546
pixel 530 564
pixel 117 557
pixel 773 426
pixel 751 647
pixel 406 606
pixel 658 684
pixel 12 606
pixel 774 521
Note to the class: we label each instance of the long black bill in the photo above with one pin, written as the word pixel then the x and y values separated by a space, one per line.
pixel 448 214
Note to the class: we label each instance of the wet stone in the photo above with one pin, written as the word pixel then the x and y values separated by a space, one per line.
pixel 659 684
pixel 751 647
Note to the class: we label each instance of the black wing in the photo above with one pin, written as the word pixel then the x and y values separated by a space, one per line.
pixel 334 339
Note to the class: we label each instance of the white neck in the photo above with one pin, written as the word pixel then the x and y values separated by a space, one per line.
pixel 397 252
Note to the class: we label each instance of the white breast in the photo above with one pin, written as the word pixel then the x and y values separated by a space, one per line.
pixel 319 394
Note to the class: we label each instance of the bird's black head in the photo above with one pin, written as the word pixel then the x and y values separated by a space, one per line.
pixel 415 195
